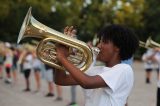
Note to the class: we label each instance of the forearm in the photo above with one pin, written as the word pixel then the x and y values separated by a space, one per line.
pixel 82 79
pixel 76 75
pixel 151 56
pixel 61 78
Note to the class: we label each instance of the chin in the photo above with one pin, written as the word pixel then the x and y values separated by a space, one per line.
pixel 104 60
pixel 100 59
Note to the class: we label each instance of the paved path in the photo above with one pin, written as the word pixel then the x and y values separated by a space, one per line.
pixel 143 94
pixel 12 95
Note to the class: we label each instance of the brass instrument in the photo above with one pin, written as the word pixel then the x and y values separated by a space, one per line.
pixel 142 44
pixel 46 51
pixel 149 44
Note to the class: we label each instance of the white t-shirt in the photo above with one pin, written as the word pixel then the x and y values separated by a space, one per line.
pixel 149 64
pixel 120 80
pixel 9 59
pixel 28 62
pixel 36 63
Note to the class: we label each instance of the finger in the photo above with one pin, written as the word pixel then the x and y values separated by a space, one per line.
pixel 66 29
pixel 74 33
pixel 70 31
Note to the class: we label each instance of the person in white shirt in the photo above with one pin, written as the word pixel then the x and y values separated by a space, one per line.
pixel 150 63
pixel 37 64
pixel 8 64
pixel 108 85
pixel 27 62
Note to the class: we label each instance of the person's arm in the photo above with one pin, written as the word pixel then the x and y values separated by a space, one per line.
pixel 85 81
pixel 21 58
pixel 76 76
pixel 61 78
pixel 150 56
pixel 157 49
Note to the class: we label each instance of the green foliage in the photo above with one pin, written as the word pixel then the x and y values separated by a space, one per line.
pixel 152 20
pixel 129 13
pixel 88 16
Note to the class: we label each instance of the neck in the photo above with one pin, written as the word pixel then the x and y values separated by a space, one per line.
pixel 113 62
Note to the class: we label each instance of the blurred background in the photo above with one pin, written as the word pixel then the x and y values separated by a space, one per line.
pixel 88 17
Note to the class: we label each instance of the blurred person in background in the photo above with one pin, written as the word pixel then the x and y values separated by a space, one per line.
pixel 59 93
pixel 73 96
pixel 50 81
pixel 37 71
pixel 150 63
pixel 1 64
pixel 21 54
pixel 27 61
pixel 2 57
pixel 153 55
pixel 8 62
pixel 14 66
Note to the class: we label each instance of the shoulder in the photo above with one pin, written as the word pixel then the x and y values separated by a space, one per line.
pixel 122 66
pixel 96 70
pixel 117 76
pixel 126 74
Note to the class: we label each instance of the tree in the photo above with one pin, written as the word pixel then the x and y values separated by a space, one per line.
pixel 88 16
pixel 152 20
pixel 13 12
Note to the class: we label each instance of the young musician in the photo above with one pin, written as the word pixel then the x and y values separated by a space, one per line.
pixel 108 85
pixel 149 63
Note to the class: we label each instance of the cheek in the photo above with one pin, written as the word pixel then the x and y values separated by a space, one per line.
pixel 108 53
pixel 104 55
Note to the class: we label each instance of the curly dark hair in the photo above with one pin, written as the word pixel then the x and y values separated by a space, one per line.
pixel 122 37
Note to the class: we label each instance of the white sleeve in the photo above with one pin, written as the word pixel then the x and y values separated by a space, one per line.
pixel 157 57
pixel 115 77
pixel 144 57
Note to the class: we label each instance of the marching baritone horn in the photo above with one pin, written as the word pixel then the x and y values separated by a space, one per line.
pixel 81 55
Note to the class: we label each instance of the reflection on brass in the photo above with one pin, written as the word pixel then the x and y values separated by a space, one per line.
pixel 81 55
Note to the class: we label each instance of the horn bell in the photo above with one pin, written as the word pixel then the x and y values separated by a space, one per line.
pixel 81 58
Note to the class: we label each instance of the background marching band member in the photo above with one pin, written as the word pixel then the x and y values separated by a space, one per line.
pixel 149 63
